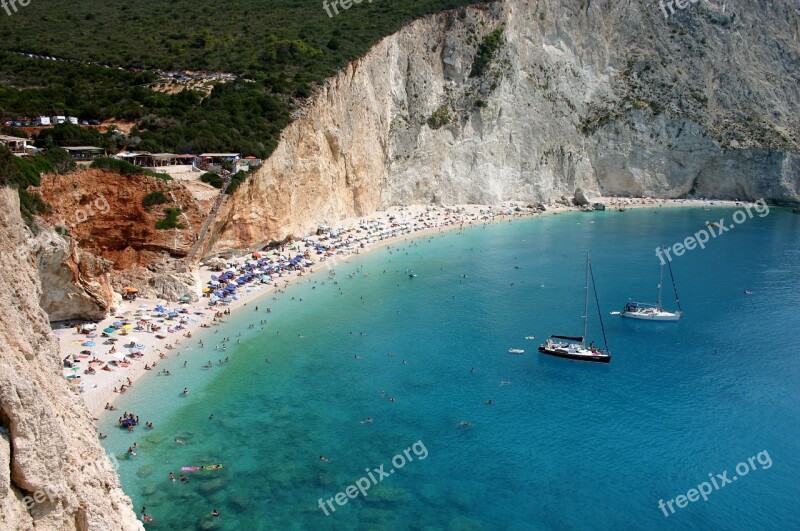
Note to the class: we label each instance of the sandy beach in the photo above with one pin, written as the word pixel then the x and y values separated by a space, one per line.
pixel 113 370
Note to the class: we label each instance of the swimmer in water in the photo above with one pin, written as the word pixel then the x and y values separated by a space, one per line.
pixel 171 476
pixel 180 441
pixel 488 402
pixel 472 370
pixel 505 382
pixel 367 420
pixel 323 458
pixel 185 390
pixel 464 424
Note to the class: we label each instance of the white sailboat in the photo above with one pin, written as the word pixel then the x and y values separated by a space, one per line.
pixel 653 312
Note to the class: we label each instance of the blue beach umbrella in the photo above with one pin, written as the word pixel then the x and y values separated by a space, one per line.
pixel 88 344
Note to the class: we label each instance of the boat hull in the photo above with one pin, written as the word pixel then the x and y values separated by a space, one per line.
pixel 576 357
pixel 661 316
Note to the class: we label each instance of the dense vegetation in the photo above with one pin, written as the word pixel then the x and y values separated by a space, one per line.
pixel 170 220
pixel 125 168
pixel 486 50
pixel 237 179
pixel 154 198
pixel 281 48
pixel 20 173
pixel 213 179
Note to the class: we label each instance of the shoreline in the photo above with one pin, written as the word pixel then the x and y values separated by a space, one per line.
pixel 99 388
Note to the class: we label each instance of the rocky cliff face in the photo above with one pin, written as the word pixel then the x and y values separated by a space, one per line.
pixel 608 96
pixel 108 240
pixel 54 475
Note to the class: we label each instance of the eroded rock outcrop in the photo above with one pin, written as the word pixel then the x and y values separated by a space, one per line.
pixel 610 97
pixel 78 282
pixel 48 445
pixel 108 240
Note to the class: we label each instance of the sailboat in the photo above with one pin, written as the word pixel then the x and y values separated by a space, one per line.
pixel 653 312
pixel 560 346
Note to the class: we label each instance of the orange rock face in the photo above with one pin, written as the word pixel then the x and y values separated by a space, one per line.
pixel 103 212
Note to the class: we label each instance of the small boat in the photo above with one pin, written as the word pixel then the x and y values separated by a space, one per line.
pixel 516 351
pixel 574 348
pixel 201 468
pixel 653 312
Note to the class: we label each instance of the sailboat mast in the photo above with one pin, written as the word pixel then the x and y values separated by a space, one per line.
pixel 599 313
pixel 586 302
pixel 660 284
pixel 674 287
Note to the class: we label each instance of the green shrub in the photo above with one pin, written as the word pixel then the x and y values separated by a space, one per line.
pixel 486 50
pixel 19 173
pixel 60 159
pixel 238 178
pixel 123 167
pixel 213 179
pixel 154 198
pixel 440 117
pixel 170 220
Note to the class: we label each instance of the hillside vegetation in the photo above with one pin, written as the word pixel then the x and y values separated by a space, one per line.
pixel 281 49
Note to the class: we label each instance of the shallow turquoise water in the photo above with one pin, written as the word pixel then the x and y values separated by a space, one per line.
pixel 564 446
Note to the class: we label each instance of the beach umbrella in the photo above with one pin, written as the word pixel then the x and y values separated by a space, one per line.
pixel 145 318
pixel 186 298
pixel 133 339
pixel 109 330
pixel 118 323
pixel 143 305
pixel 88 344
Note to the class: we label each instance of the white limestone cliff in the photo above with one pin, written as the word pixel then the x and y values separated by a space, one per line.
pixel 54 475
pixel 607 96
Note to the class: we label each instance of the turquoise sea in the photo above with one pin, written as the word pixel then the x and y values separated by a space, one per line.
pixel 564 445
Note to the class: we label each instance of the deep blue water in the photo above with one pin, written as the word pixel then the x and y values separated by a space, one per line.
pixel 565 445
